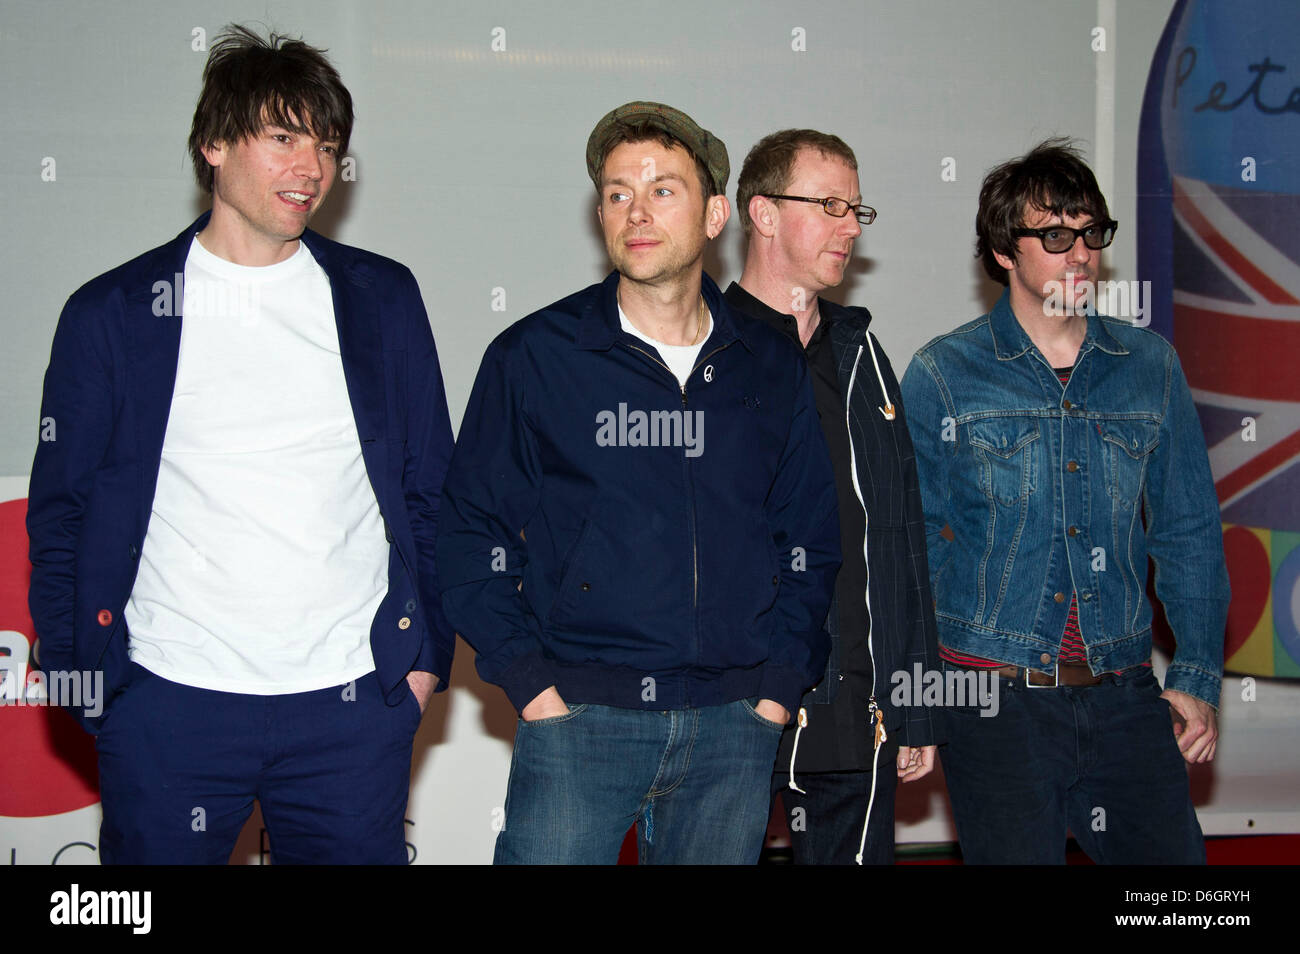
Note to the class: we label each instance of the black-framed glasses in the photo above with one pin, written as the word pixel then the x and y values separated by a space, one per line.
pixel 836 207
pixel 1061 238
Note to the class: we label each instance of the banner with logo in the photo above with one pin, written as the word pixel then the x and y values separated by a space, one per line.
pixel 1219 202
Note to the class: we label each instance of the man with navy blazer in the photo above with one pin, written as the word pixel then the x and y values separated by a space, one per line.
pixel 235 520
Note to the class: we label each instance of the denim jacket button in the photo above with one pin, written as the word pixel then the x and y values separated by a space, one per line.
pixel 1072 466
pixel 1045 658
pixel 1073 531
pixel 1060 598
pixel 1066 404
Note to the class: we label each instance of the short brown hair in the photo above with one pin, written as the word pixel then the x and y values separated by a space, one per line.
pixel 622 132
pixel 250 82
pixel 1052 177
pixel 770 164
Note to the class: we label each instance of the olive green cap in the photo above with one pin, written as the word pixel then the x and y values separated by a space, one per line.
pixel 701 143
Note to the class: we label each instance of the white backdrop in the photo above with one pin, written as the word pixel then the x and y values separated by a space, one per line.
pixel 468 149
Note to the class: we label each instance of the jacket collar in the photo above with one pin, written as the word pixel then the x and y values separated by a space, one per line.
pixel 1010 340
pixel 599 327
pixel 848 327
pixel 356 316
pixel 169 260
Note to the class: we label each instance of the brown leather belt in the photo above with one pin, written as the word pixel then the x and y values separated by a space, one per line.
pixel 1066 674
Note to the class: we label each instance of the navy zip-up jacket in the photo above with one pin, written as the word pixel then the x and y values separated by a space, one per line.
pixel 630 541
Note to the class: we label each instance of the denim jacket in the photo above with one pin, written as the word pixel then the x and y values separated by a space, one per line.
pixel 1046 489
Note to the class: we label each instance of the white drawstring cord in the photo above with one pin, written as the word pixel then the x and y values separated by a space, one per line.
pixel 803 721
pixel 875 718
pixel 888 410
pixel 881 736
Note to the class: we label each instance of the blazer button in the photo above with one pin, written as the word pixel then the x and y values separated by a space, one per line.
pixel 586 587
pixel 776 581
pixel 133 551
pixel 1060 598
pixel 105 618
pixel 1072 466
pixel 404 623
pixel 410 606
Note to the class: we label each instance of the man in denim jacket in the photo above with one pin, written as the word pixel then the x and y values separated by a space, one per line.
pixel 1057 450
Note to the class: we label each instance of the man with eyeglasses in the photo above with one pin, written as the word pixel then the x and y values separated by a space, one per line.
pixel 838 766
pixel 1058 449
pixel 639 536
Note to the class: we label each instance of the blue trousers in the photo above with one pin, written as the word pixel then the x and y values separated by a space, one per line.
pixel 179 768
pixel 1100 760
pixel 695 782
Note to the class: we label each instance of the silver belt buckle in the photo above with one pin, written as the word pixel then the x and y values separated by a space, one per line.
pixel 1056 678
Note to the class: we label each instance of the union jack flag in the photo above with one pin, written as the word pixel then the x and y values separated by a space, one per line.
pixel 1236 325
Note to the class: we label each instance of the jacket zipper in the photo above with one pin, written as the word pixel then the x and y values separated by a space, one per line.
pixel 695 552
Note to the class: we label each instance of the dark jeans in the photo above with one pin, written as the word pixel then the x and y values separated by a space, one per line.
pixel 1100 760
pixel 693 780
pixel 179 768
pixel 826 822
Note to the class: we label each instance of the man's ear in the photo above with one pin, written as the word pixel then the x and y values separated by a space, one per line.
pixel 1005 261
pixel 600 215
pixel 214 153
pixel 762 215
pixel 716 212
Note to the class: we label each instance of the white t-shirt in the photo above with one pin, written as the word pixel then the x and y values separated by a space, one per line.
pixel 679 358
pixel 265 558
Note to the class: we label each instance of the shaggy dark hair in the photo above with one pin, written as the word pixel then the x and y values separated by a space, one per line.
pixel 1052 177
pixel 250 83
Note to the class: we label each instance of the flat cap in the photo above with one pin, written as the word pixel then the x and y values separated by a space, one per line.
pixel 701 143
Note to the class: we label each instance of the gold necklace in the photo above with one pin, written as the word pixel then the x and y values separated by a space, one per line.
pixel 699 317
pixel 699 322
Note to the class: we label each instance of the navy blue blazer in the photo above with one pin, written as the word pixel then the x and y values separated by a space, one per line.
pixel 106 401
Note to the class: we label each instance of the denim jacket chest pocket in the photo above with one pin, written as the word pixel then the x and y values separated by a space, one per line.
pixel 1005 449
pixel 1128 445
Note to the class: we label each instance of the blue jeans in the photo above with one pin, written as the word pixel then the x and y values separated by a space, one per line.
pixel 695 782
pixel 179 768
pixel 1100 760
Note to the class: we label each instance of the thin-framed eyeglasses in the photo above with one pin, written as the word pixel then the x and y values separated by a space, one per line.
pixel 836 207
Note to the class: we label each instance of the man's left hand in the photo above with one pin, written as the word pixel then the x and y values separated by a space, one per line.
pixel 772 711
pixel 1196 725
pixel 915 762
pixel 422 685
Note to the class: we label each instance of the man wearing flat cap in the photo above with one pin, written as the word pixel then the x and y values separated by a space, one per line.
pixel 639 532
